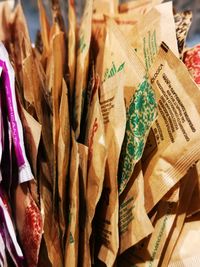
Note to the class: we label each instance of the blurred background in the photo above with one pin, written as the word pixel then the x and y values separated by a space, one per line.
pixel 31 12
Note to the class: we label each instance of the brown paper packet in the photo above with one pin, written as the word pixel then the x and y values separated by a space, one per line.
pixel 19 47
pixel 52 242
pixel 55 82
pixel 92 85
pixel 32 133
pixel 20 38
pixel 119 55
pixel 57 69
pixel 134 224
pixel 125 22
pixel 165 235
pixel 29 219
pixel 29 96
pixel 183 22
pixel 36 79
pixel 72 238
pixel 186 252
pixel 149 32
pixel 95 140
pixel 35 83
pixel 194 206
pixel 175 135
pixel 84 38
pixel 5 16
pixel 63 157
pixel 105 6
pixel 138 7
pixel 33 80
pixel 113 108
pixel 148 252
pixel 45 33
pixel 117 50
pixel 187 188
pixel 71 48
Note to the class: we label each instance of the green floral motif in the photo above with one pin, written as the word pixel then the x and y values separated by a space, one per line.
pixel 141 113
pixel 71 239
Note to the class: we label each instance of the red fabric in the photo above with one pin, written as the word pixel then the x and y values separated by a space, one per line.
pixel 32 233
pixel 192 61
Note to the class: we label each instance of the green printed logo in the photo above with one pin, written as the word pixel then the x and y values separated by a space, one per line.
pixel 113 70
pixel 82 44
pixel 149 48
pixel 71 239
pixel 140 115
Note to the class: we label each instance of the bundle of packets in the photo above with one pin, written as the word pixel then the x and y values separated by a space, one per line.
pixel 99 131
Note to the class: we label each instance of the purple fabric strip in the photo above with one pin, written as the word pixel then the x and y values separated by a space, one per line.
pixel 8 240
pixel 11 115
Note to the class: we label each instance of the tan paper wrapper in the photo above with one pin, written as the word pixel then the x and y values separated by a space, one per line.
pixel 149 252
pixel 51 227
pixel 71 48
pixel 34 83
pixel 187 187
pixel 134 224
pixel 19 46
pixel 55 83
pixel 5 16
pixel 113 108
pixel 174 139
pixel 63 158
pixel 153 28
pixel 119 55
pixel 186 252
pixel 32 133
pixel 144 32
pixel 125 22
pixel 95 140
pixel 45 32
pixel 84 37
pixel 72 239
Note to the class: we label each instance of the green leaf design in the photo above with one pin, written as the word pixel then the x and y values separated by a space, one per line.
pixel 141 113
